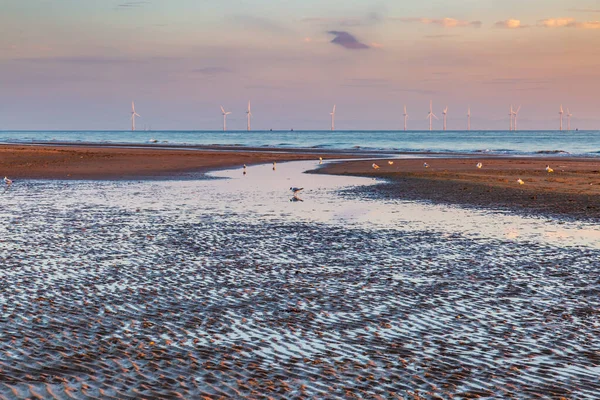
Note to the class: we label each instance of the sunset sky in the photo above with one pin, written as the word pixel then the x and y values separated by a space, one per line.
pixel 78 64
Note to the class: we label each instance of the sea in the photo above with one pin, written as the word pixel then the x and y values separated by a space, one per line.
pixel 568 143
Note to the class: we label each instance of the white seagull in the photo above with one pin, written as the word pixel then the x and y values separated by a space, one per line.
pixel 426 165
pixel 320 160
pixel 548 169
pixel 7 181
pixel 520 181
pixel 479 165
pixel 296 190
pixel 390 162
pixel 375 166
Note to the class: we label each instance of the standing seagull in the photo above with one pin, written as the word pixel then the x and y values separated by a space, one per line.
pixel 333 118
pixel 296 190
pixel 431 114
pixel 133 115
pixel 225 114
pixel 405 117
pixel 249 114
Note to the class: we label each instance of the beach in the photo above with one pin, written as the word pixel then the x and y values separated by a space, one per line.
pixel 572 189
pixel 105 162
pixel 227 288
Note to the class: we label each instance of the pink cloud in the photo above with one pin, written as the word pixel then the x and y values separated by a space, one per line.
pixel 510 24
pixel 445 22
pixel 568 23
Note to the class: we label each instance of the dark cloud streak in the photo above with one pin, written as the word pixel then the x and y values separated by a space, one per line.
pixel 347 41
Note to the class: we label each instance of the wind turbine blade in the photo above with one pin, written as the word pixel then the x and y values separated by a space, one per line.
pixel 434 116
pixel 518 109
pixel 222 110
pixel 333 109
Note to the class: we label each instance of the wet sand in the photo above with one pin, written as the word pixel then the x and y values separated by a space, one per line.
pixel 138 290
pixel 573 188
pixel 126 162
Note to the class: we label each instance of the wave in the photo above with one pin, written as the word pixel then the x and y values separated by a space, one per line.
pixel 552 152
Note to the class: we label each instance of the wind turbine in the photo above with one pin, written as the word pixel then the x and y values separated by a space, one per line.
pixel 333 118
pixel 516 114
pixel 445 112
pixel 249 115
pixel 225 114
pixel 431 114
pixel 561 112
pixel 405 117
pixel 469 118
pixel 569 115
pixel 511 115
pixel 133 115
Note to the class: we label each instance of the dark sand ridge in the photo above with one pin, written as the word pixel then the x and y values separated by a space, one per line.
pixel 573 188
pixel 123 162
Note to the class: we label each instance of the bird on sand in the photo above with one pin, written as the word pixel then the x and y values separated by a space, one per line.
pixel 548 169
pixel 479 165
pixel 390 162
pixel 320 160
pixel 7 181
pixel 244 169
pixel 426 165
pixel 274 165
pixel 520 181
pixel 296 190
pixel 375 166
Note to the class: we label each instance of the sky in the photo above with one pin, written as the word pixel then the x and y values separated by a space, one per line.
pixel 78 64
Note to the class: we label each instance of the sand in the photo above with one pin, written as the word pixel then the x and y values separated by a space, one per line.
pixel 572 189
pixel 122 162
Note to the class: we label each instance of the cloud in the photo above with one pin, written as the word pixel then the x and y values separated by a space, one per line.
pixel 213 70
pixel 585 10
pixel 514 81
pixel 510 24
pixel 440 36
pixel 445 22
pixel 132 4
pixel 347 41
pixel 568 23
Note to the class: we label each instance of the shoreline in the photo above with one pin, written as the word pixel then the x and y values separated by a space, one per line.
pixel 572 189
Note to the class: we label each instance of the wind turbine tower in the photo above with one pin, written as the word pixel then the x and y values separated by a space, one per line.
pixel 405 117
pixel 431 115
pixel 569 115
pixel 511 114
pixel 561 112
pixel 225 114
pixel 249 115
pixel 469 118
pixel 333 118
pixel 516 114
pixel 445 112
pixel 133 115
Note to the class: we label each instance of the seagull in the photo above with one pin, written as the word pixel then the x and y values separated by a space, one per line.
pixel 548 169
pixel 274 165
pixel 426 165
pixel 479 165
pixel 7 181
pixel 320 160
pixel 296 190
pixel 244 169
pixel 391 162
pixel 520 181
pixel 375 166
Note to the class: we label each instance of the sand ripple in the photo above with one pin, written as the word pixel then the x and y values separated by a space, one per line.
pixel 115 303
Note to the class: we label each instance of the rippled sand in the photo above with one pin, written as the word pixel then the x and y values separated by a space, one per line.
pixel 225 288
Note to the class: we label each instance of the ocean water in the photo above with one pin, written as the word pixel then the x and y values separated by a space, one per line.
pixel 586 143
